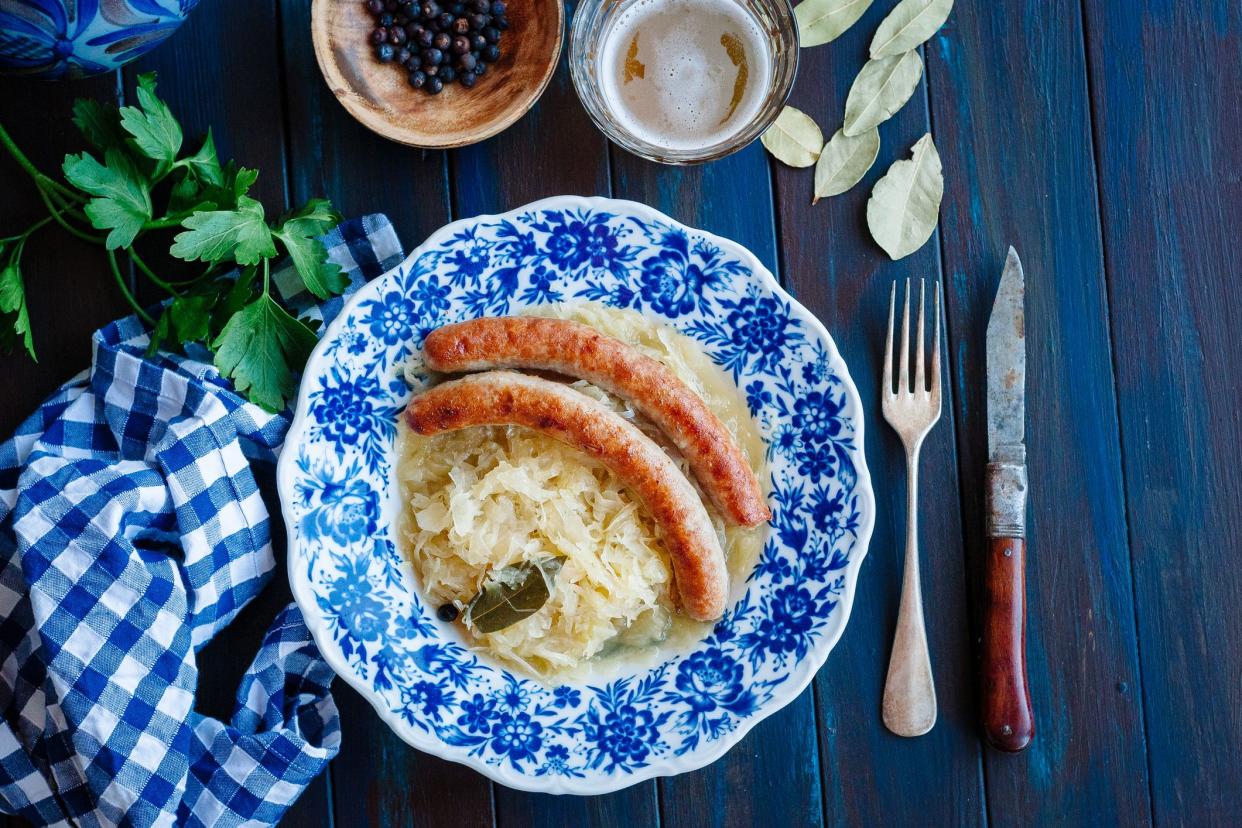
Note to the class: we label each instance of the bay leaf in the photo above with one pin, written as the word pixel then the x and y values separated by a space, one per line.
pixel 822 21
pixel 511 594
pixel 909 24
pixel 844 161
pixel 794 138
pixel 905 203
pixel 881 88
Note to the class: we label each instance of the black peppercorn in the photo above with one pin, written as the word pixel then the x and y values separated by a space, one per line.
pixel 403 56
pixel 481 69
pixel 491 53
pixel 417 79
pixel 477 42
pixel 442 41
pixel 478 21
pixel 385 52
pixel 429 9
pixel 468 79
pixel 457 9
pixel 425 38
pixel 396 36
pixel 460 45
pixel 447 74
pixel 467 62
pixel 444 21
pixel 434 85
pixel 447 613
pixel 491 34
pixel 432 57
pixel 480 5
pixel 375 6
pixel 498 8
pixel 385 20
pixel 460 26
pixel 501 23
pixel 378 36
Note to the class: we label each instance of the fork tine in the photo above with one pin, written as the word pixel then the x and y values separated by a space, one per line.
pixel 920 373
pixel 888 343
pixel 903 374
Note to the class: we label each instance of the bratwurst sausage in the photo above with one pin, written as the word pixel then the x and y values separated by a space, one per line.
pixel 554 409
pixel 580 351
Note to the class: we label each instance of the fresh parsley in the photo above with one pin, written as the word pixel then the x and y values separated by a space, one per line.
pixel 138 181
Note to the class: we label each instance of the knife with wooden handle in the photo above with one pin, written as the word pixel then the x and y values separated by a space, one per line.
pixel 1007 720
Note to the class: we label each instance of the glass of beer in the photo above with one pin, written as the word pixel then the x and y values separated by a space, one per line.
pixel 683 81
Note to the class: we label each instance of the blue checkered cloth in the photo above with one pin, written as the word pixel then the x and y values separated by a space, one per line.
pixel 132 530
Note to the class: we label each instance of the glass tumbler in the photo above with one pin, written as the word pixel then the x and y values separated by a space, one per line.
pixel 591 22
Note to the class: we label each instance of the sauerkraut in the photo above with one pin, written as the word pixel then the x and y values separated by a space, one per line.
pixel 481 499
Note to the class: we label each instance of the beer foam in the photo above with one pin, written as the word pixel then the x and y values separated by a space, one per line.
pixel 684 98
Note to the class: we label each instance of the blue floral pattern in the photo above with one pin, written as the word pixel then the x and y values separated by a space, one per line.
pixel 63 39
pixel 360 596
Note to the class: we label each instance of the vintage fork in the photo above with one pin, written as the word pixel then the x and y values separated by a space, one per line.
pixel 911 409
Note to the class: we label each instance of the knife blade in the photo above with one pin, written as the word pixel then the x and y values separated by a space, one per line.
pixel 1008 723
pixel 1007 366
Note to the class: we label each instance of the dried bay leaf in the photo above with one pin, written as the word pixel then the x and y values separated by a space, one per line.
pixel 512 594
pixel 822 21
pixel 794 138
pixel 844 161
pixel 881 88
pixel 905 203
pixel 909 24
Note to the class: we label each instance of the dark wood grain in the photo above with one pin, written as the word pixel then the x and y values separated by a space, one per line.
pixel 69 290
pixel 1012 123
pixel 377 780
pixel 1007 720
pixel 872 777
pixel 733 197
pixel 1165 84
pixel 553 150
pixel 1135 444
pixel 202 71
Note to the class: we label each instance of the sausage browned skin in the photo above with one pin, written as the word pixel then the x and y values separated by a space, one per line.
pixel 579 350
pixel 554 409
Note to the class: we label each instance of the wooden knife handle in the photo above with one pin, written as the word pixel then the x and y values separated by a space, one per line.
pixel 1007 720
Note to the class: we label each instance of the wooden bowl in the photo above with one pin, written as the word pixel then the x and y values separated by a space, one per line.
pixel 378 95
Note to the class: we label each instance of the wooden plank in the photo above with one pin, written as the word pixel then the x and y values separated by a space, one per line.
pixel 69 290
pixel 1164 79
pixel 333 156
pixel 221 70
pixel 377 779
pixel 554 150
pixel 844 278
pixel 1012 180
pixel 755 781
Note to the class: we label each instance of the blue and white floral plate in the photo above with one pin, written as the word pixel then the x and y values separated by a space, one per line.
pixel 359 595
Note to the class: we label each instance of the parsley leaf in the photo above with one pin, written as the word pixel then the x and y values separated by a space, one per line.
pixel 100 123
pixel 13 303
pixel 216 235
pixel 185 319
pixel 299 233
pixel 154 128
pixel 124 195
pixel 260 349
pixel 187 194
pixel 206 164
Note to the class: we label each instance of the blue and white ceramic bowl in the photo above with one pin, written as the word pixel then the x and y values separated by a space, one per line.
pixel 360 597
pixel 75 38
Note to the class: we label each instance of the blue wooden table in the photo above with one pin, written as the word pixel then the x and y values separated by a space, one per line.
pixel 1102 138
